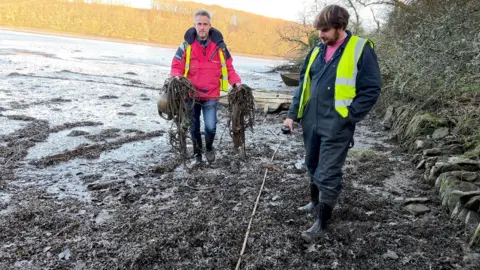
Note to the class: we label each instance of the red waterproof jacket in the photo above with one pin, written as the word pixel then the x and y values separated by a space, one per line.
pixel 205 66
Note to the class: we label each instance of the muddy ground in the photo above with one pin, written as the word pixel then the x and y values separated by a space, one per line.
pixel 88 181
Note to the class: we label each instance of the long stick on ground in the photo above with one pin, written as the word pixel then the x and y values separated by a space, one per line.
pixel 253 212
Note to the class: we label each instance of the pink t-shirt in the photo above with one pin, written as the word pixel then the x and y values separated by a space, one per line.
pixel 331 49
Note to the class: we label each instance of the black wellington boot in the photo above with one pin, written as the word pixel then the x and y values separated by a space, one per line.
pixel 309 208
pixel 197 151
pixel 324 213
pixel 210 154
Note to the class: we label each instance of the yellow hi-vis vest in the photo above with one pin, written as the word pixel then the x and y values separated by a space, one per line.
pixel 346 78
pixel 223 80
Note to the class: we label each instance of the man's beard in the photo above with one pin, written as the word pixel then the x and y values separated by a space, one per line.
pixel 202 35
pixel 333 40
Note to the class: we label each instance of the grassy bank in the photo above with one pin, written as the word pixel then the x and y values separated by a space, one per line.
pixel 429 54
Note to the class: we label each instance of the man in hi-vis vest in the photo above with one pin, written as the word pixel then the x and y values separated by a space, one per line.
pixel 203 58
pixel 339 84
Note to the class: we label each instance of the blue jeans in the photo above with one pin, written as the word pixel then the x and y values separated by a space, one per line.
pixel 209 110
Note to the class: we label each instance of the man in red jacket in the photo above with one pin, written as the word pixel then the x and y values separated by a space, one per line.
pixel 203 58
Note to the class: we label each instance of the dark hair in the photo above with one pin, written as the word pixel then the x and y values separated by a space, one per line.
pixel 332 16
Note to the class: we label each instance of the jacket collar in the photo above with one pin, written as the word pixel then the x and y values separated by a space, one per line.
pixel 215 36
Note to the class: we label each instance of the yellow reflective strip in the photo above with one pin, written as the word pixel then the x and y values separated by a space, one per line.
pixel 345 82
pixel 346 71
pixel 224 85
pixel 306 83
pixel 359 48
pixel 224 80
pixel 187 60
pixel 342 110
pixel 346 66
pixel 344 92
pixel 358 51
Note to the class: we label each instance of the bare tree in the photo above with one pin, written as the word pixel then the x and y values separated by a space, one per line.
pixel 301 35
pixel 356 22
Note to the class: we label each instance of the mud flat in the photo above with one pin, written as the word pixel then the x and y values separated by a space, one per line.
pixel 88 181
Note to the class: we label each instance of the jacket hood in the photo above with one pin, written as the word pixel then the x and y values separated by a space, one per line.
pixel 215 36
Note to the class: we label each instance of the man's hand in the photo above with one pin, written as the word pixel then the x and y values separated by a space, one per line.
pixel 237 85
pixel 289 123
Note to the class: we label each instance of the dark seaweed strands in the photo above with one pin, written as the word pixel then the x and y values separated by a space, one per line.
pixel 241 112
pixel 177 90
pixel 241 106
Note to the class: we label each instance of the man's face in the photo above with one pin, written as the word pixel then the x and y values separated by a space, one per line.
pixel 202 25
pixel 329 36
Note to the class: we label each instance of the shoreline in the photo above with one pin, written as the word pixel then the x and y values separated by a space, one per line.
pixel 117 40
